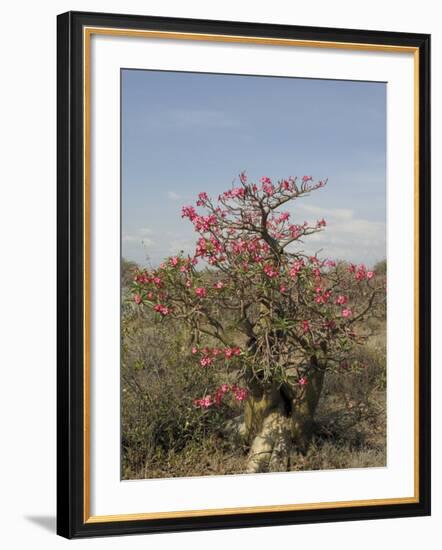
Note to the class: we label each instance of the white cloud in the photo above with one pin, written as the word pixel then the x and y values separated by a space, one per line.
pixel 141 236
pixel 173 196
pixel 346 236
pixel 320 212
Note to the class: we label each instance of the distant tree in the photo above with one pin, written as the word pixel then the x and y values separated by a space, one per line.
pixel 271 316
pixel 381 267
pixel 128 270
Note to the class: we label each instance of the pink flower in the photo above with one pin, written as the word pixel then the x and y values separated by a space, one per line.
pixel 163 310
pixel 194 350
pixel 370 274
pixel 295 231
pixel 137 299
pixel 204 403
pixel 188 212
pixel 347 312
pixel 341 300
pixel 282 289
pixel 322 297
pixel 240 394
pixel 270 271
pixel 204 223
pixel 203 198
pixel 201 292
pixel 361 273
pixel 174 261
pixel 268 189
pixel 220 392
pixel 296 268
pixel 321 223
pixel 219 285
pixel 305 326
pixel 234 193
pixel 230 352
pixel 303 381
pixel 206 361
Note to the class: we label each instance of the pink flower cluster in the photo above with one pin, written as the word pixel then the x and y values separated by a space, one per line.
pixel 188 212
pixel 162 309
pixel 270 271
pixel 202 199
pixel 252 249
pixel 231 352
pixel 201 292
pixel 330 263
pixel 361 272
pixel 206 361
pixel 234 193
pixel 322 296
pixel 267 185
pixel 289 184
pixel 209 248
pixel 145 278
pixel 209 354
pixel 207 401
pixel 295 231
pixel 283 217
pixel 316 272
pixel 240 393
pixel 296 268
pixel 201 223
pixel 204 402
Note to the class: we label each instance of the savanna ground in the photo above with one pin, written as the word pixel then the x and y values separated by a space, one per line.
pixel 165 435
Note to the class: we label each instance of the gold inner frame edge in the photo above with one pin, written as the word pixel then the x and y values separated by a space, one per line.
pixel 87 33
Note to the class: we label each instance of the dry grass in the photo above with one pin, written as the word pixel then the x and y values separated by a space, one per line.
pixel 165 436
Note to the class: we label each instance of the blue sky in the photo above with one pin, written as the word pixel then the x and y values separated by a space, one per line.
pixel 183 133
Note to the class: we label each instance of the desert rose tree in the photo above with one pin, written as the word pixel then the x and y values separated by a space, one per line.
pixel 272 318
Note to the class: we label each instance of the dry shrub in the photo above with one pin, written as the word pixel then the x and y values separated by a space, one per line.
pixel 160 425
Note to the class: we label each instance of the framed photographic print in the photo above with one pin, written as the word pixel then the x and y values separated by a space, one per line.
pixel 243 274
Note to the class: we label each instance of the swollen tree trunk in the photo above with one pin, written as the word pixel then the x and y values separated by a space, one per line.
pixel 279 420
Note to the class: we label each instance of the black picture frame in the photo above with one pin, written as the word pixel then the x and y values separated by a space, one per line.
pixel 71 498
